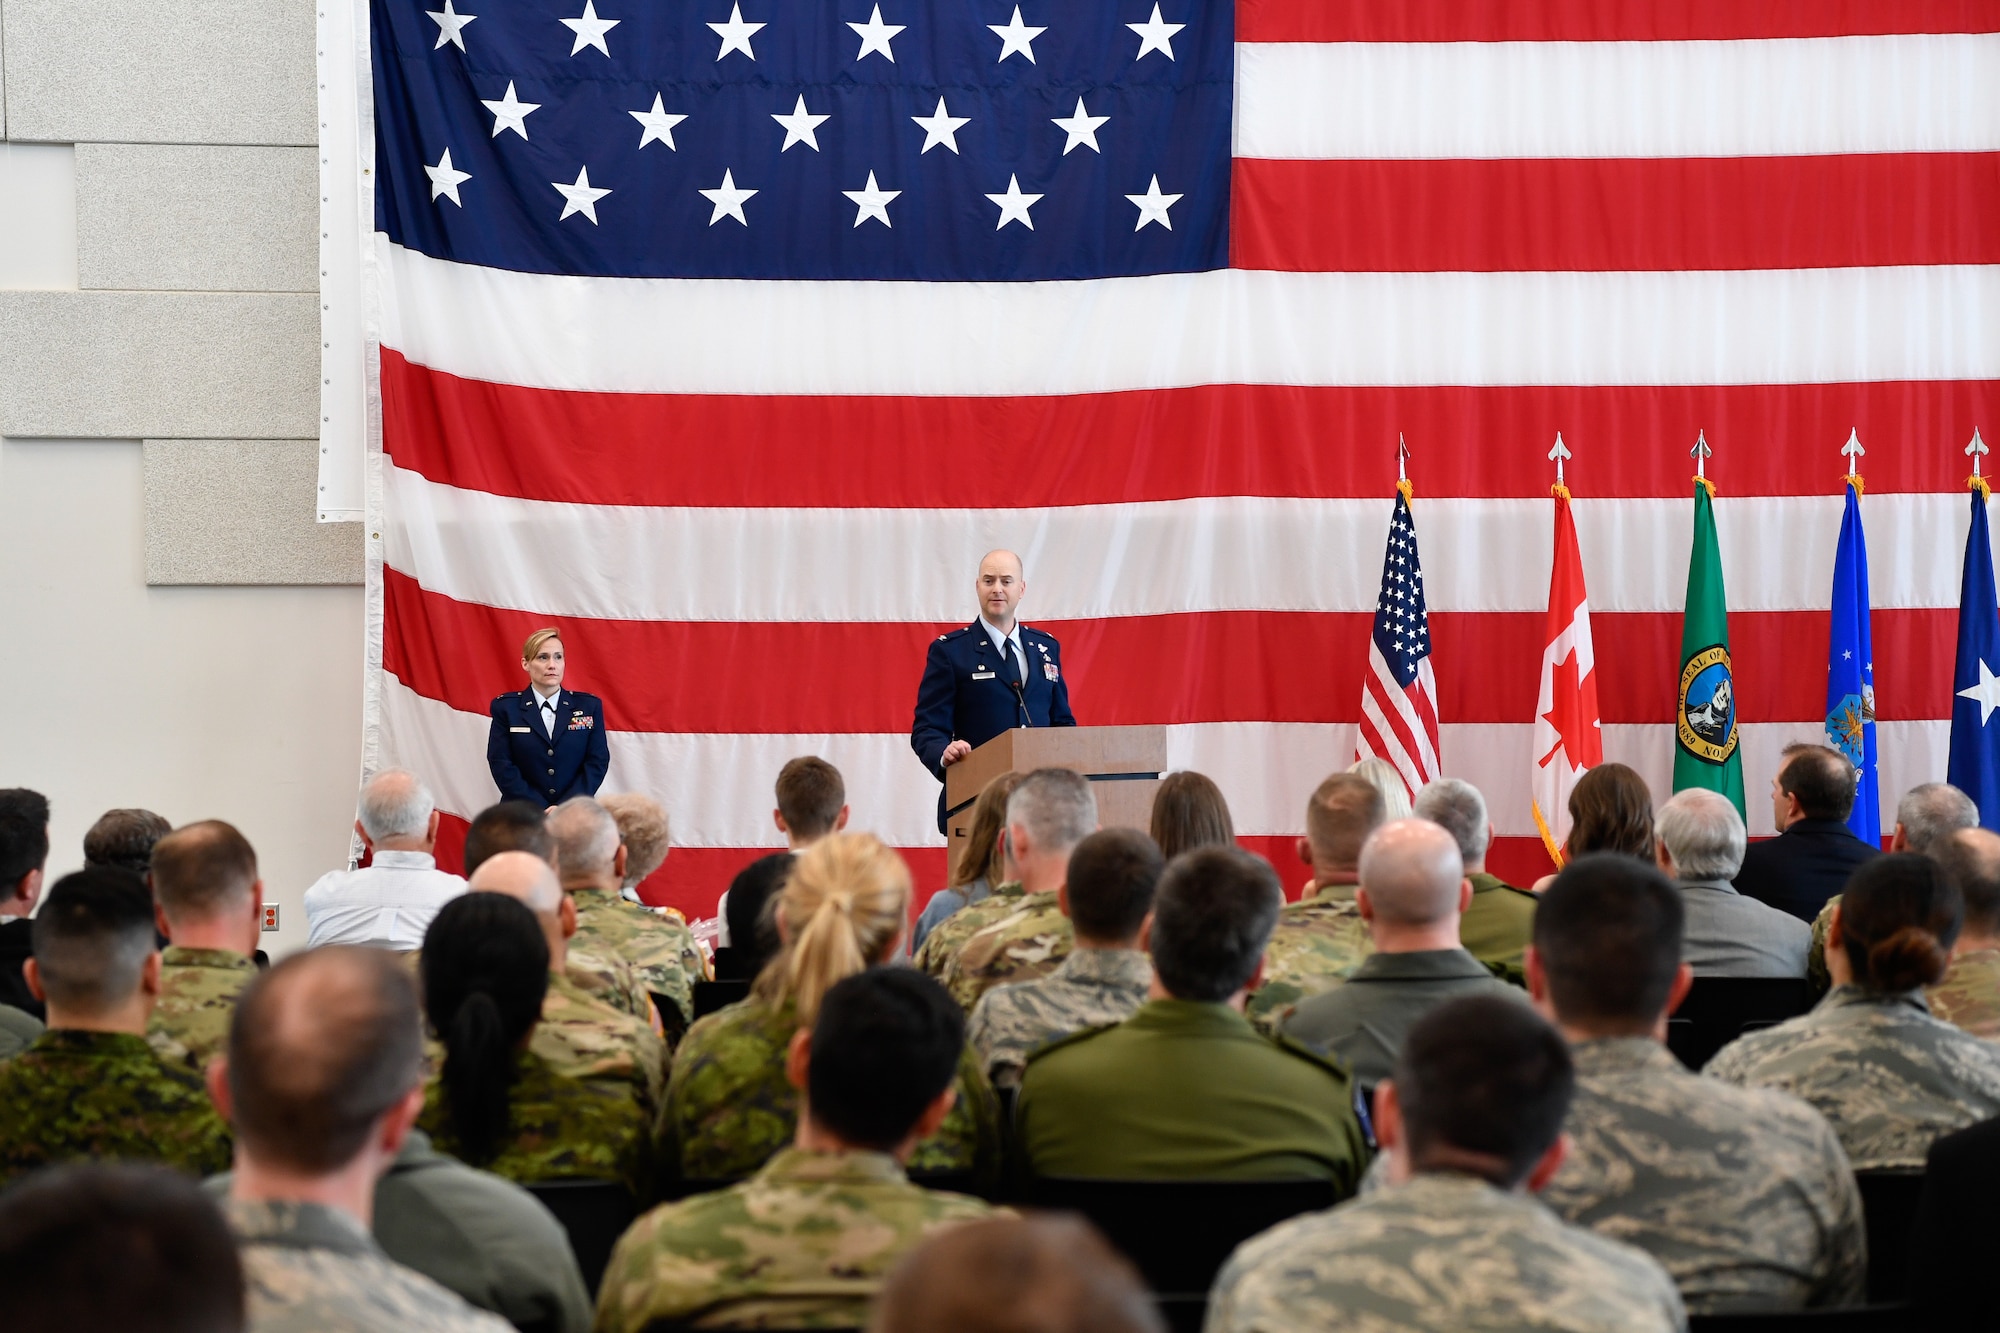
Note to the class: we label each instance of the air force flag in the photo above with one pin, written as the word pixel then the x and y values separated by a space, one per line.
pixel 1974 767
pixel 1850 672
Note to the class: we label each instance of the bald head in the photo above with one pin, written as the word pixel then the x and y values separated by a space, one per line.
pixel 586 837
pixel 1000 584
pixel 525 878
pixel 1411 870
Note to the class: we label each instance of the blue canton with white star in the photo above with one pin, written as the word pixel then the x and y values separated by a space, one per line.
pixel 1402 620
pixel 969 140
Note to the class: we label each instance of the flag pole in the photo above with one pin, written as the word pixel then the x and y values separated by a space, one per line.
pixel 1701 454
pixel 1853 451
pixel 1559 453
pixel 1403 483
pixel 1977 449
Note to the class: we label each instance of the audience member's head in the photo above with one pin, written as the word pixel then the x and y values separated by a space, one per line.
pixel 982 858
pixel 1112 876
pixel 1701 836
pixel 643 828
pixel 753 933
pixel 124 838
pixel 1043 1273
pixel 880 1066
pixel 510 826
pixel 1481 1088
pixel 1413 885
pixel 812 801
pixel 1897 920
pixel 588 849
pixel 1456 806
pixel 1610 810
pixel 529 881
pixel 1382 775
pixel 95 962
pixel 1212 916
pixel 485 974
pixel 136 1249
pixel 1970 857
pixel 1343 811
pixel 1813 782
pixel 842 910
pixel 1047 816
pixel 397 813
pixel 1606 958
pixel 24 848
pixel 1189 812
pixel 205 882
pixel 1928 814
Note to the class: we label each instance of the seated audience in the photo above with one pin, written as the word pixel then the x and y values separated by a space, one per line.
pixel 1189 812
pixel 208 902
pixel 1701 840
pixel 124 838
pixel 729 1106
pixel 388 903
pixel 496 1103
pixel 117 1249
pixel 979 865
pixel 1472 1126
pixel 1320 939
pixel 1610 810
pixel 643 830
pixel 1969 996
pixel 751 926
pixel 322 1078
pixel 1413 888
pixel 1957 1231
pixel 24 854
pixel 1494 928
pixel 90 1087
pixel 509 826
pixel 1929 813
pixel 1045 1273
pixel 658 945
pixel 1186 1088
pixel 1890 1077
pixel 1814 853
pixel 1109 891
pixel 806 1241
pixel 1743 1194
pixel 812 803
pixel 1384 777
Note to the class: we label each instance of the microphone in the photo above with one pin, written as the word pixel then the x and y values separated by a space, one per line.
pixel 1021 702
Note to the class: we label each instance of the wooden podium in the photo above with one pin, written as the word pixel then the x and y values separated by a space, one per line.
pixel 1123 764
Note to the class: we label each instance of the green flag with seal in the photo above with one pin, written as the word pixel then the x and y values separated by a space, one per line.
pixel 1705 737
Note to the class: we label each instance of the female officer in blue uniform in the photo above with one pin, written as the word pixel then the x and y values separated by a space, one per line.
pixel 547 744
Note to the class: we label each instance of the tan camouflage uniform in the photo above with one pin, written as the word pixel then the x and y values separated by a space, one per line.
pixel 1090 988
pixel 559 1129
pixel 1742 1194
pixel 1318 941
pixel 104 1096
pixel 586 1039
pixel 1969 996
pixel 805 1243
pixel 658 944
pixel 614 981
pixel 1027 943
pixel 950 934
pixel 1441 1254
pixel 1816 972
pixel 198 990
pixel 1887 1075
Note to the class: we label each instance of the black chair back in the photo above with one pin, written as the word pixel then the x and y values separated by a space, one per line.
pixel 1184 1312
pixel 1855 1319
pixel 673 1023
pixel 710 996
pixel 1718 1010
pixel 594 1213
pixel 1889 1205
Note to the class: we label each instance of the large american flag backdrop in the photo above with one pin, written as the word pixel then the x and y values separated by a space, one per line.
pixel 730 333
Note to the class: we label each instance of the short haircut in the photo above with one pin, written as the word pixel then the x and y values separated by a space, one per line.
pixel 139 1249
pixel 753 933
pixel 1610 810
pixel 1212 916
pixel 395 804
pixel 1821 778
pixel 510 826
pixel 1899 916
pixel 485 973
pixel 203 871
pixel 1608 934
pixel 586 837
pixel 320 1048
pixel 92 938
pixel 1704 834
pixel 1971 858
pixel 810 796
pixel 1112 876
pixel 1343 811
pixel 885 1043
pixel 1042 1273
pixel 24 835
pixel 1189 812
pixel 1487 1075
pixel 1056 806
pixel 124 838
pixel 536 640
pixel 1456 806
pixel 1931 812
pixel 643 828
pixel 1412 871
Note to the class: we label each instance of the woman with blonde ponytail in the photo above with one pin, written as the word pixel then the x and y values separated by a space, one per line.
pixel 844 908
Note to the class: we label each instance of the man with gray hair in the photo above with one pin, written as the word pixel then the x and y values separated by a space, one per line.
pixel 1926 818
pixel 1699 844
pixel 1495 928
pixel 1968 997
pixel 390 902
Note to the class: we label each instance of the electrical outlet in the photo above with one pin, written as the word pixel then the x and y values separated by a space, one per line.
pixel 270 916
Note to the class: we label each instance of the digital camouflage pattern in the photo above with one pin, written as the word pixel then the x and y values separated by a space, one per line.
pixel 198 990
pixel 1440 1254
pixel 1888 1076
pixel 805 1243
pixel 104 1096
pixel 1969 996
pixel 1318 942
pixel 310 1269
pixel 1496 927
pixel 614 981
pixel 658 944
pixel 1027 943
pixel 586 1039
pixel 950 934
pixel 1742 1194
pixel 559 1129
pixel 730 1106
pixel 1090 988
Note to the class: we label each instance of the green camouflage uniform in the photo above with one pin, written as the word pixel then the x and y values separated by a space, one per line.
pixel 198 990
pixel 308 1268
pixel 559 1129
pixel 730 1106
pixel 1496 927
pixel 1889 1076
pixel 804 1243
pixel 104 1096
pixel 586 1039
pixel 950 934
pixel 1742 1194
pixel 1441 1254
pixel 1025 944
pixel 1969 996
pixel 658 944
pixel 614 981
pixel 1318 941
pixel 18 1030
pixel 1090 988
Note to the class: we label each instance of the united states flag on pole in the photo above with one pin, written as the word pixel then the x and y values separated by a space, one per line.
pixel 1399 713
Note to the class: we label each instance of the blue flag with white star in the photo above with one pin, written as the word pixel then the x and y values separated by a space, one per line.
pixel 1850 672
pixel 1974 767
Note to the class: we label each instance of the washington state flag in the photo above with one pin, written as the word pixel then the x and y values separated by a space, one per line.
pixel 1706 753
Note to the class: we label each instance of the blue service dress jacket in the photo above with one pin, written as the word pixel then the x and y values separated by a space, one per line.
pixel 966 695
pixel 530 765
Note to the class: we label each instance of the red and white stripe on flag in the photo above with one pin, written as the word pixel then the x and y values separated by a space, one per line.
pixel 1568 735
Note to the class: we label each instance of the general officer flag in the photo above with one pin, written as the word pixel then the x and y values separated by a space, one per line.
pixel 1850 672
pixel 1974 766
pixel 1705 737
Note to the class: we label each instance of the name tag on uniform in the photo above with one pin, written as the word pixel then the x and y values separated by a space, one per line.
pixel 529 730
pixel 982 675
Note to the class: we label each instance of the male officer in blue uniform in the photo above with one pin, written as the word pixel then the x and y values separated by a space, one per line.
pixel 992 676
pixel 546 744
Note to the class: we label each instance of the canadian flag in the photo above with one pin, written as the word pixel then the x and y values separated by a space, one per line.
pixel 1568 741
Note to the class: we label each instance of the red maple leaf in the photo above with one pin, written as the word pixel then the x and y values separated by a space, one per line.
pixel 1573 714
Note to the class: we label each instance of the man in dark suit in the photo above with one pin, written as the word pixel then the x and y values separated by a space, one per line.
pixel 992 676
pixel 546 744
pixel 1814 853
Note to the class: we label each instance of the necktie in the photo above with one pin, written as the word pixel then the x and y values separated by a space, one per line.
pixel 1014 673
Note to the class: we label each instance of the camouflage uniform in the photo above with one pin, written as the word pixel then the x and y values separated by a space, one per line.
pixel 950 934
pixel 1743 1194
pixel 104 1095
pixel 1440 1254
pixel 198 990
pixel 586 1039
pixel 558 1128
pixel 310 1269
pixel 1025 944
pixel 804 1243
pixel 1889 1077
pixel 658 944
pixel 1816 972
pixel 18 1031
pixel 1318 941
pixel 614 981
pixel 1969 996
pixel 729 1105
pixel 1090 988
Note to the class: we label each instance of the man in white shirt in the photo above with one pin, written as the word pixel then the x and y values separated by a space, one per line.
pixel 390 903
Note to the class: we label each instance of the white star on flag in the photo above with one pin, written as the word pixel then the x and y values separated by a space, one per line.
pixel 659 123
pixel 1986 693
pixel 581 197
pixel 1153 206
pixel 872 202
pixel 940 128
pixel 875 35
pixel 1017 36
pixel 445 179
pixel 450 25
pixel 1014 205
pixel 801 125
pixel 590 29
pixel 728 200
pixel 1082 128
pixel 1155 35
pixel 735 34
pixel 509 113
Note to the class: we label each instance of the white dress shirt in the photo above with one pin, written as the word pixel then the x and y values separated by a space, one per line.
pixel 388 904
pixel 1000 642
pixel 547 708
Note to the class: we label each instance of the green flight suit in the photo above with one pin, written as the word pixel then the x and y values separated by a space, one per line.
pixel 1496 928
